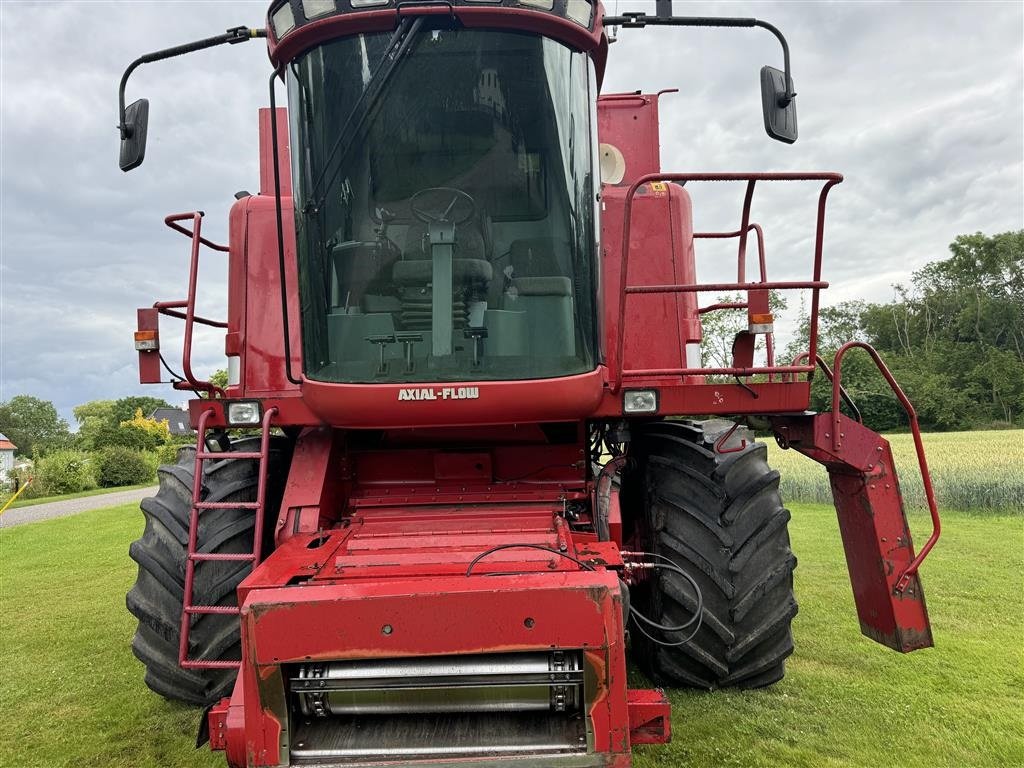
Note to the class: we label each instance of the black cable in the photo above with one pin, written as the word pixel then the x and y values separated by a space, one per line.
pixel 174 375
pixel 698 614
pixel 634 613
pixel 280 235
pixel 492 550
pixel 177 378
pixel 673 567
pixel 665 627
pixel 749 389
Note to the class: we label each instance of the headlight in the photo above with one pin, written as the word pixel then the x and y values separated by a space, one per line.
pixel 580 11
pixel 283 20
pixel 313 8
pixel 640 401
pixel 244 413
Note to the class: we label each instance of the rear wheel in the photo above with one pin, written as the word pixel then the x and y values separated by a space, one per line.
pixel 156 598
pixel 718 517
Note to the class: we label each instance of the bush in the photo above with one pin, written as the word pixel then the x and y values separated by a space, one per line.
pixel 168 454
pixel 152 432
pixel 117 466
pixel 109 436
pixel 63 472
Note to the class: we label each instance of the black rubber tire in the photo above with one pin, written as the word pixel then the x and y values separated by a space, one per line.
pixel 156 598
pixel 719 517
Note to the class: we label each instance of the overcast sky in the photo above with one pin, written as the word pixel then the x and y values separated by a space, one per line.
pixel 920 105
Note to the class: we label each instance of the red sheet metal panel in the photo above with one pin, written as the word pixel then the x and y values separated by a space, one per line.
pixel 650 720
pixel 393 583
pixel 629 122
pixel 873 525
pixel 149 360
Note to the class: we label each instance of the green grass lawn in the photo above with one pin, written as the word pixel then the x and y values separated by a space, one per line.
pixel 72 694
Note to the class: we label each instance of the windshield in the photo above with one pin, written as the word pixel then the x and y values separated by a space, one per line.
pixel 444 206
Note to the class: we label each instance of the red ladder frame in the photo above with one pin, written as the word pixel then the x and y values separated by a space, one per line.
pixel 188 608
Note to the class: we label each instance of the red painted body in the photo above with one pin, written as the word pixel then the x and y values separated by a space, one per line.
pixel 388 502
pixel 404 567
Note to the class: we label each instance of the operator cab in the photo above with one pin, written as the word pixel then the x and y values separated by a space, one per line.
pixel 445 205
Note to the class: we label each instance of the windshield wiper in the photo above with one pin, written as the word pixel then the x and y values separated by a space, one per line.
pixel 398 46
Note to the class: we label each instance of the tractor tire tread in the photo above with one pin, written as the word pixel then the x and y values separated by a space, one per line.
pixel 160 553
pixel 719 517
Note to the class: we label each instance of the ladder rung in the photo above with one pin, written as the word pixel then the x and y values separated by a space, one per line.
pixel 227 505
pixel 221 557
pixel 229 455
pixel 223 610
pixel 201 664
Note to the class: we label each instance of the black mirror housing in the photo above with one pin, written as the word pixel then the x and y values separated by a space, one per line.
pixel 779 105
pixel 133 134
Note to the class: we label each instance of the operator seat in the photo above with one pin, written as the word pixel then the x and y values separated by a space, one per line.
pixel 471 275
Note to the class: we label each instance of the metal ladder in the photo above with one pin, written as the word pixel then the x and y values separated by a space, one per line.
pixel 203 454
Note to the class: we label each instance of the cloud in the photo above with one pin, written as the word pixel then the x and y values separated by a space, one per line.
pixel 918 104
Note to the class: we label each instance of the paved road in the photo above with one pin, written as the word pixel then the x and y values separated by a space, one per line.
pixel 36 512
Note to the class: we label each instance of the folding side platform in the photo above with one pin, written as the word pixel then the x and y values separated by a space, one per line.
pixel 872 522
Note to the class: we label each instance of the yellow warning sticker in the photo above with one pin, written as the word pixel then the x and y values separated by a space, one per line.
pixel 659 188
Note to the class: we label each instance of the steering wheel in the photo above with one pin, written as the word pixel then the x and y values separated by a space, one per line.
pixel 442 204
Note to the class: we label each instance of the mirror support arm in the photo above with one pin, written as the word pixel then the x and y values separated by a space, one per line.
pixel 232 36
pixel 639 20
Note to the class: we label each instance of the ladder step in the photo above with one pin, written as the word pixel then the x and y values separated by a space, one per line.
pixel 204 454
pixel 229 455
pixel 227 505
pixel 200 664
pixel 222 610
pixel 219 557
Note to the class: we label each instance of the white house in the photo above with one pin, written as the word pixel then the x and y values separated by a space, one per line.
pixel 7 449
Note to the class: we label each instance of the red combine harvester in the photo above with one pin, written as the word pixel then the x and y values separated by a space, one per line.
pixel 462 311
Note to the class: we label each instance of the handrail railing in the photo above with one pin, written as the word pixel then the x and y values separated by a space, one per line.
pixel 741 271
pixel 170 308
pixel 922 462
pixel 741 261
pixel 815 284
pixel 850 403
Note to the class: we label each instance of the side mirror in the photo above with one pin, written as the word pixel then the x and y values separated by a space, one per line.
pixel 133 134
pixel 779 105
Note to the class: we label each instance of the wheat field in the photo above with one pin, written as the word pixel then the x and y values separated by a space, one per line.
pixel 978 471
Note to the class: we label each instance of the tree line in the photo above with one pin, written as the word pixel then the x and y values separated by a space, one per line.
pixel 117 443
pixel 953 337
pixel 35 427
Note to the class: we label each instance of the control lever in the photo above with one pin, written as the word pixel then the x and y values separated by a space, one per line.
pixel 382 339
pixel 408 338
pixel 477 335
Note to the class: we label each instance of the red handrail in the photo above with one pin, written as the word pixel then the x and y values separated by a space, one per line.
pixel 831 379
pixel 741 264
pixel 741 276
pixel 915 429
pixel 170 308
pixel 815 284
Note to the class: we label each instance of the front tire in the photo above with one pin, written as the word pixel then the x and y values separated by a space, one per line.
pixel 718 517
pixel 157 596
